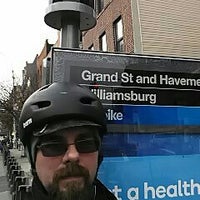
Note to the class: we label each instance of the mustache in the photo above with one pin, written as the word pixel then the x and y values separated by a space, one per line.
pixel 71 169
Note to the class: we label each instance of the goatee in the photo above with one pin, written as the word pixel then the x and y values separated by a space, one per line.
pixel 72 189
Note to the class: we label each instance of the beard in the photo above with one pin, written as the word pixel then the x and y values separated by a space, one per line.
pixel 80 189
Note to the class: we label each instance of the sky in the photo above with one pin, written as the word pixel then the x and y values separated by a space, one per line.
pixel 22 36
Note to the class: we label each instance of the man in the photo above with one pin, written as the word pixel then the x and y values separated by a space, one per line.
pixel 62 126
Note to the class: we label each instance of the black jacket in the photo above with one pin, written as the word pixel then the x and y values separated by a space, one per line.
pixel 39 193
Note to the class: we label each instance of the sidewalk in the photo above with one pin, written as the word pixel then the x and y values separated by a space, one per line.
pixel 4 189
pixel 25 166
pixel 23 161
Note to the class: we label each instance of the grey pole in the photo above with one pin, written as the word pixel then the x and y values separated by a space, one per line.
pixel 70 33
pixel 70 17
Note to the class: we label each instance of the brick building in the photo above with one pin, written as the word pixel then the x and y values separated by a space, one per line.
pixel 165 28
pixel 109 34
pixel 37 72
pixel 42 64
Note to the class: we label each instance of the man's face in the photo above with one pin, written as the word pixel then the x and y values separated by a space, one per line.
pixel 68 160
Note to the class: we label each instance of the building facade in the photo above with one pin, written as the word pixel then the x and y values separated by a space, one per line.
pixel 113 31
pixel 42 64
pixel 163 28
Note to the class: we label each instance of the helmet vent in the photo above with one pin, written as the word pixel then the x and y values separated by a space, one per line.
pixel 43 104
pixel 87 100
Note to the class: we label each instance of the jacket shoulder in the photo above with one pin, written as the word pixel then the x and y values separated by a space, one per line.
pixel 103 193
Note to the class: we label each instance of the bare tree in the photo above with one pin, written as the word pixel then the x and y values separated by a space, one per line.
pixel 6 108
pixel 12 99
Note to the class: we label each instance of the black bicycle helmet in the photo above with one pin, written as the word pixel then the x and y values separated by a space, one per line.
pixel 60 102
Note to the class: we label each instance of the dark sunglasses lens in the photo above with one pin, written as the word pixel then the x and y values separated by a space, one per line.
pixel 54 149
pixel 87 146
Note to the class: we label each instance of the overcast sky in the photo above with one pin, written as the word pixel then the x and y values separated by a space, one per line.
pixel 23 34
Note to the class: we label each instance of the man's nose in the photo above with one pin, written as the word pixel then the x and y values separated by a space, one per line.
pixel 71 154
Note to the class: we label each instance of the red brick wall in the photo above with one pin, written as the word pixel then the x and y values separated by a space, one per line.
pixel 105 19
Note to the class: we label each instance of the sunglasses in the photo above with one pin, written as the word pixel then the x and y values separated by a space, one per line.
pixel 57 148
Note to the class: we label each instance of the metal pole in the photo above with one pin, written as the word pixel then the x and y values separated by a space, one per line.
pixel 70 32
pixel 70 17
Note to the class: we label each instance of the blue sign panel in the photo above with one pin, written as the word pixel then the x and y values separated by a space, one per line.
pixel 152 105
pixel 152 177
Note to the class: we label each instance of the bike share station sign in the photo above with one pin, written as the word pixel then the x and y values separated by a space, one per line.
pixel 152 106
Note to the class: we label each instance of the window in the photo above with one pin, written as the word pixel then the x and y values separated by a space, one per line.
pixel 88 2
pixel 91 47
pixel 118 35
pixel 99 6
pixel 103 42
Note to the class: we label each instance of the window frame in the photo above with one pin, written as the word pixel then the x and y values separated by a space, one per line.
pixel 99 6
pixel 103 45
pixel 118 38
pixel 91 47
